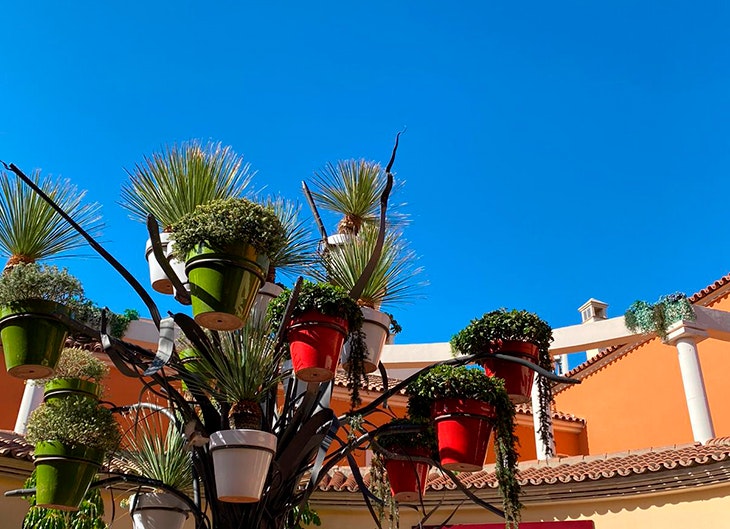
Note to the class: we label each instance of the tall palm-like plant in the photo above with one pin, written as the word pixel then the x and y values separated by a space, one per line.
pixel 394 279
pixel 239 371
pixel 171 183
pixel 296 256
pixel 154 448
pixel 31 230
pixel 352 188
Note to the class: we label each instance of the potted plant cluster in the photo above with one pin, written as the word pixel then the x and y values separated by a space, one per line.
pixel 238 370
pixel 658 317
pixel 153 447
pixel 227 244
pixel 32 297
pixel 392 282
pixel 516 333
pixel 171 184
pixel 402 440
pixel 465 405
pixel 352 189
pixel 323 317
pixel 78 372
pixel 71 436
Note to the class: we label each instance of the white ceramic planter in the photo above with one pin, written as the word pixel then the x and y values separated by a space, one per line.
pixel 158 279
pixel 157 510
pixel 241 460
pixel 266 293
pixel 376 327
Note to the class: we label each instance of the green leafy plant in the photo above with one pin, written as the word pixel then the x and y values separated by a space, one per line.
pixel 223 223
pixel 81 364
pixel 89 313
pixel 301 516
pixel 74 421
pixel 31 230
pixel 89 516
pixel 462 382
pixel 172 183
pixel 394 279
pixel 485 334
pixel 482 334
pixel 26 281
pixel 329 300
pixel 153 447
pixel 239 369
pixel 659 316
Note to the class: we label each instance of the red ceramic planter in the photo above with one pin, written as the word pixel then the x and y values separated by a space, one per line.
pixel 315 342
pixel 463 428
pixel 408 478
pixel 517 378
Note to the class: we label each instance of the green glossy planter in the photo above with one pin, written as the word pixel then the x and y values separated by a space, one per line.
pixel 223 285
pixel 62 387
pixel 63 474
pixel 32 339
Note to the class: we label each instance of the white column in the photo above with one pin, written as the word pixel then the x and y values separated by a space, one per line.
pixel 543 451
pixel 685 338
pixel 32 398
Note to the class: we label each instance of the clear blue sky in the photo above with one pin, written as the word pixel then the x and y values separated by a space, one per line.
pixel 555 151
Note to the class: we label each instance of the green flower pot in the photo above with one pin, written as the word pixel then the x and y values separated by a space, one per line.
pixel 223 285
pixel 32 339
pixel 63 474
pixel 62 387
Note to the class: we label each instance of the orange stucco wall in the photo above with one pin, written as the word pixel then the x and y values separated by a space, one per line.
pixel 638 401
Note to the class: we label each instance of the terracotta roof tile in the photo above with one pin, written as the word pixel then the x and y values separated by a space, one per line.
pixel 573 469
pixel 15 446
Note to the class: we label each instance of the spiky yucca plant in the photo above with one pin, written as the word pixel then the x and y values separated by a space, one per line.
pixel 171 183
pixel 352 188
pixel 394 279
pixel 31 230
pixel 239 370
pixel 152 447
pixel 296 256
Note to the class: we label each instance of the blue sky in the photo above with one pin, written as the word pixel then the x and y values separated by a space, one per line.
pixel 554 151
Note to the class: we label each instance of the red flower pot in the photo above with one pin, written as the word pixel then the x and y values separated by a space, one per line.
pixel 315 342
pixel 408 478
pixel 463 427
pixel 517 378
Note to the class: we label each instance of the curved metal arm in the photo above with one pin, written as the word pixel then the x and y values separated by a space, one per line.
pixel 181 293
pixel 544 372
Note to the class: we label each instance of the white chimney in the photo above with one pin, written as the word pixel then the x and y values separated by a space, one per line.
pixel 592 311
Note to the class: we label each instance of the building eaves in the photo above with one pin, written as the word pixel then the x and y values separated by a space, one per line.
pixel 651 470
pixel 703 298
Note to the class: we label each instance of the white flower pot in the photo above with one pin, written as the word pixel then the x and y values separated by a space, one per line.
pixel 266 293
pixel 376 327
pixel 241 460
pixel 158 279
pixel 157 510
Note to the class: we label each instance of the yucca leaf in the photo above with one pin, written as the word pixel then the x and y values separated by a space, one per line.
pixel 171 183
pixel 31 229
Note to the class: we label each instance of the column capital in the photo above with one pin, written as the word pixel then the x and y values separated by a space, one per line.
pixel 685 329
